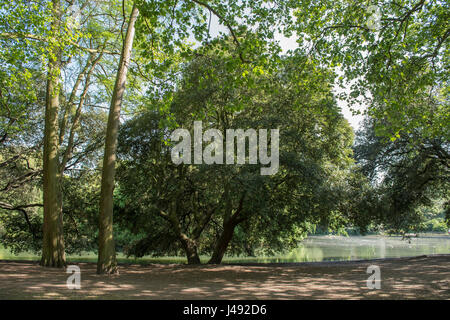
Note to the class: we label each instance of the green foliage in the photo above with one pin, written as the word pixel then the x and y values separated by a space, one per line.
pixel 277 211
pixel 19 176
pixel 165 31
pixel 407 173
pixel 180 73
pixel 401 66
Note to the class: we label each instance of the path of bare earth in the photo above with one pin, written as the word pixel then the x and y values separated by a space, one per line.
pixel 424 277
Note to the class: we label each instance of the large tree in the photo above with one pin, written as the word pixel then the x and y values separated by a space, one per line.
pixel 205 206
pixel 52 36
pixel 106 248
pixel 53 254
pixel 165 27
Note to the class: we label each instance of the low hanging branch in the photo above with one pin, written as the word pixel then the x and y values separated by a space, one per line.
pixel 17 182
pixel 7 206
pixel 9 35
pixel 21 208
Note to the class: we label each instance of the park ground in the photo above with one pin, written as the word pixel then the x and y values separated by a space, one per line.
pixel 423 277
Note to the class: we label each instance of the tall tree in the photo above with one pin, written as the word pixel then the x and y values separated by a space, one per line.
pixel 106 247
pixel 166 26
pixel 48 35
pixel 53 242
pixel 200 208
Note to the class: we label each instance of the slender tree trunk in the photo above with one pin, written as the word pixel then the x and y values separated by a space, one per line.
pixel 230 221
pixel 190 247
pixel 69 104
pixel 222 242
pixel 53 237
pixel 66 155
pixel 106 247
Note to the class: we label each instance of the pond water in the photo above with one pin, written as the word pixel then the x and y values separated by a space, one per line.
pixel 335 248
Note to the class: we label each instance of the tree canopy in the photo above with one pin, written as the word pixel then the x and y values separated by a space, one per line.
pixel 91 87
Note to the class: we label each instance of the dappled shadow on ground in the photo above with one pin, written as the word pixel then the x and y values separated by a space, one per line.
pixel 422 277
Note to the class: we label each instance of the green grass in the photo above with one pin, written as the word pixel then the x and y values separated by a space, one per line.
pixel 89 257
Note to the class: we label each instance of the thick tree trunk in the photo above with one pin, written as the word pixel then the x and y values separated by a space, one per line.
pixel 53 237
pixel 222 242
pixel 106 247
pixel 190 247
pixel 230 221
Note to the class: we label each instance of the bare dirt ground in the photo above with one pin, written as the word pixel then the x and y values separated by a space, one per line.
pixel 424 277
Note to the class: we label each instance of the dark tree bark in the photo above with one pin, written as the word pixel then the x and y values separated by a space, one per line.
pixel 230 221
pixel 106 248
pixel 189 244
pixel 190 247
pixel 223 242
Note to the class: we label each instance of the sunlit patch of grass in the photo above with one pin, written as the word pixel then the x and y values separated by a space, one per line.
pixel 91 257
pixel 8 255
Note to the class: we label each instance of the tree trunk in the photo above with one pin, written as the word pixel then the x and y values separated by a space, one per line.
pixel 222 242
pixel 106 247
pixel 53 237
pixel 190 247
pixel 230 221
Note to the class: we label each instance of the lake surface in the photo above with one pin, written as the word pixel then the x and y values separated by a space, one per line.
pixel 338 248
pixel 312 249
